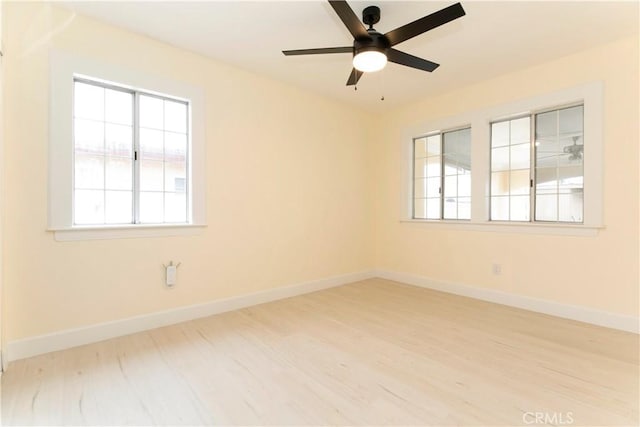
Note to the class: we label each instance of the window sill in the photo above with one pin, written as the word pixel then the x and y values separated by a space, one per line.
pixel 508 227
pixel 125 231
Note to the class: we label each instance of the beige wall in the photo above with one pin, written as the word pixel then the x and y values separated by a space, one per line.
pixel 287 187
pixel 597 272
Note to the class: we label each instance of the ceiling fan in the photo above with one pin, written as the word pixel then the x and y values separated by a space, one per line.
pixel 371 50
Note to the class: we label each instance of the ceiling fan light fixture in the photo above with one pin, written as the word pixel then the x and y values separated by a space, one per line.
pixel 369 61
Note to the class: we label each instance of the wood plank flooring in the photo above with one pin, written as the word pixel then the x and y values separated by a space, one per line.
pixel 368 353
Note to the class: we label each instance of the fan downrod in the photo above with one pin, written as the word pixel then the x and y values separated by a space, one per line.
pixel 371 15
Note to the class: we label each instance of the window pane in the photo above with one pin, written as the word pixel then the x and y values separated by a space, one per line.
pixel 450 165
pixel 89 136
pixel 433 145
pixel 175 207
pixel 175 116
pixel 433 187
pixel 420 208
pixel 547 207
pixel 89 171
pixel 420 148
pixel 521 131
pixel 175 174
pixel 500 159
pixel 175 146
pixel 519 208
pixel 464 185
pixel 519 181
pixel 500 208
pixel 546 126
pixel 420 168
pixel 433 166
pixel 119 140
pixel 451 186
pixel 151 112
pixel 118 209
pixel 151 207
pixel 570 207
pixel 151 175
pixel 450 208
pixel 433 208
pixel 464 208
pixel 118 107
pixel 88 207
pixel 119 173
pixel 151 144
pixel 571 121
pixel 500 183
pixel 499 134
pixel 88 101
pixel 520 156
pixel 570 178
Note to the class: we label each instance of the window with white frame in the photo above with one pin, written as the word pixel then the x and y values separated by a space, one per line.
pixel 127 152
pixel 537 167
pixel 130 156
pixel 442 175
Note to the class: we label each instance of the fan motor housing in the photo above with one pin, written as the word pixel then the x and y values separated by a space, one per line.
pixel 376 41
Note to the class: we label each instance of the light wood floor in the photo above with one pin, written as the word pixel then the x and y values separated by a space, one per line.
pixel 369 353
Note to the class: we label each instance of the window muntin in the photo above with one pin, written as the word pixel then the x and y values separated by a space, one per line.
pixel 442 175
pixel 130 156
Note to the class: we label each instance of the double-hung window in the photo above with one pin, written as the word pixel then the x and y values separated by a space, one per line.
pixel 131 156
pixel 442 175
pixel 537 167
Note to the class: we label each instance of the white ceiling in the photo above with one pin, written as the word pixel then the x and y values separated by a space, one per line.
pixel 492 39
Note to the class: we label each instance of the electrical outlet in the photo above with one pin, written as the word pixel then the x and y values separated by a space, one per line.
pixel 496 268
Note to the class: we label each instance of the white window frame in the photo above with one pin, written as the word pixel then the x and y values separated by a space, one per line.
pixel 589 94
pixel 64 67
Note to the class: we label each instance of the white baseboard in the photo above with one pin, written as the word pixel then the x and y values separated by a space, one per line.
pixel 34 346
pixel 573 312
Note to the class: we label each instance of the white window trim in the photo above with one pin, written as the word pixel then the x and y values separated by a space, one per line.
pixel 590 95
pixel 63 67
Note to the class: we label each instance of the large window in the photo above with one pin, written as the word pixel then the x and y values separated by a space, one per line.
pixel 130 156
pixel 555 169
pixel 442 175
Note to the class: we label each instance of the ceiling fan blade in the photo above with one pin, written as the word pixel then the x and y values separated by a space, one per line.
pixel 425 24
pixel 354 77
pixel 402 58
pixel 322 50
pixel 349 18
